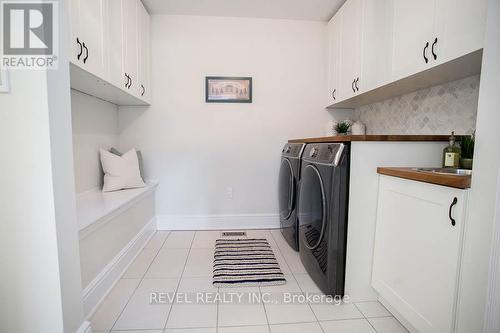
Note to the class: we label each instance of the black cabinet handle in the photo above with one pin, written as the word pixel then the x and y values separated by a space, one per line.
pixel 333 93
pixel 352 86
pixel 86 53
pixel 143 90
pixel 128 80
pixel 81 48
pixel 425 51
pixel 432 49
pixel 356 84
pixel 454 202
pixel 130 84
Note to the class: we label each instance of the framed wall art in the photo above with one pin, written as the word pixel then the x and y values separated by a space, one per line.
pixel 220 89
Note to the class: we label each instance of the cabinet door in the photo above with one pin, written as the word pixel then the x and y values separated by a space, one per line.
pixel 75 47
pixel 417 251
pixel 377 39
pixel 91 33
pixel 130 39
pixel 459 28
pixel 333 59
pixel 144 86
pixel 351 48
pixel 413 28
pixel 116 44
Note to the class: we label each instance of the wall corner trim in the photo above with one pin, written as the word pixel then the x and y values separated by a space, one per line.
pixel 85 328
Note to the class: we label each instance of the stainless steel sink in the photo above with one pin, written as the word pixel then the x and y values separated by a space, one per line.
pixel 446 171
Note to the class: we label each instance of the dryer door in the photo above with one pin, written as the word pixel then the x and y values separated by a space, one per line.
pixel 312 208
pixel 286 189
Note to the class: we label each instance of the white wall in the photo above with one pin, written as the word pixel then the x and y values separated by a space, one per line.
pixel 196 149
pixel 483 191
pixel 95 125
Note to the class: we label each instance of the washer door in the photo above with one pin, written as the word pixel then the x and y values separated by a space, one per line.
pixel 286 189
pixel 312 208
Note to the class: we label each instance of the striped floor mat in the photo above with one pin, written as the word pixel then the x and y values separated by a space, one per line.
pixel 245 263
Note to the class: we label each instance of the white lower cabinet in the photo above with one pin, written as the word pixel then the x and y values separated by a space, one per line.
pixel 417 255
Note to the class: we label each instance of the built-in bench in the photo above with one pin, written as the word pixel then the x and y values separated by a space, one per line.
pixel 113 228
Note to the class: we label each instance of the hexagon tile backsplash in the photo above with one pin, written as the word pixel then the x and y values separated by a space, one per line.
pixel 440 109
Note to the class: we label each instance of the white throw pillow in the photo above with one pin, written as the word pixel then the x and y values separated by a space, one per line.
pixel 120 172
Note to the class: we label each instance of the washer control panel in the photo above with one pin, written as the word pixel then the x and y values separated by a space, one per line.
pixel 293 150
pixel 324 153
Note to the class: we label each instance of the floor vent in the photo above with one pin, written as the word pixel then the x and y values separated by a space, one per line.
pixel 234 233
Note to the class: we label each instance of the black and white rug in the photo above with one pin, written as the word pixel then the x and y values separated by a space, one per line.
pixel 246 263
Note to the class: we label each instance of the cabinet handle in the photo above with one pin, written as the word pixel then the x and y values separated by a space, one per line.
pixel 454 202
pixel 81 48
pixel 86 53
pixel 425 50
pixel 128 79
pixel 432 49
pixel 356 84
pixel 352 86
pixel 143 90
pixel 333 93
pixel 130 84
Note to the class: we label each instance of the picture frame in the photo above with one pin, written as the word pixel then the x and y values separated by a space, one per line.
pixel 224 89
pixel 4 81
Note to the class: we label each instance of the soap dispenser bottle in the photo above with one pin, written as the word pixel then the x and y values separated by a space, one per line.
pixel 451 154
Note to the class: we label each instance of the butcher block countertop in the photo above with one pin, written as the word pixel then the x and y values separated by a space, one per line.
pixel 461 182
pixel 349 138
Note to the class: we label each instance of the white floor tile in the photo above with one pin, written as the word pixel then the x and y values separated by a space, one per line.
pixel 276 294
pixel 191 330
pixel 307 284
pixel 179 240
pixel 293 260
pixel 136 331
pixel 297 328
pixel 199 263
pixel 157 240
pixel 241 315
pixel 289 313
pixel 168 263
pixel 196 284
pixel 245 329
pixel 192 315
pixel 336 312
pixel 109 310
pixel 347 326
pixel 140 313
pixel 141 264
pixel 205 239
pixel 373 309
pixel 387 325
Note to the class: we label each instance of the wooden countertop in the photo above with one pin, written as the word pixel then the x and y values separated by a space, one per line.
pixel 462 182
pixel 349 138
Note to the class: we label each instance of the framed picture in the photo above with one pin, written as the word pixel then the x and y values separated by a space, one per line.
pixel 228 89
pixel 4 81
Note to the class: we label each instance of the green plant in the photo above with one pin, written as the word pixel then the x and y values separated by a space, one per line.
pixel 468 146
pixel 343 127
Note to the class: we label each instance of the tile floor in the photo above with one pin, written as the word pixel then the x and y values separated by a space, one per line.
pixel 181 262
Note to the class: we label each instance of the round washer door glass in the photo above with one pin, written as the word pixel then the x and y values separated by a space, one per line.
pixel 286 189
pixel 312 207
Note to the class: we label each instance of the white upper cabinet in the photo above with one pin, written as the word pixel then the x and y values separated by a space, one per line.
pixel 144 22
pixel 333 59
pixel 111 40
pixel 116 44
pixel 459 28
pixel 88 17
pixel 130 27
pixel 390 40
pixel 351 48
pixel 413 27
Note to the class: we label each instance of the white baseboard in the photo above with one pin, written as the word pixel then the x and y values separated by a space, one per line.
pixel 84 328
pixel 217 222
pixel 99 288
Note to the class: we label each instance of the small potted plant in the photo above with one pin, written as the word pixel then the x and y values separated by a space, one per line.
pixel 343 127
pixel 467 151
